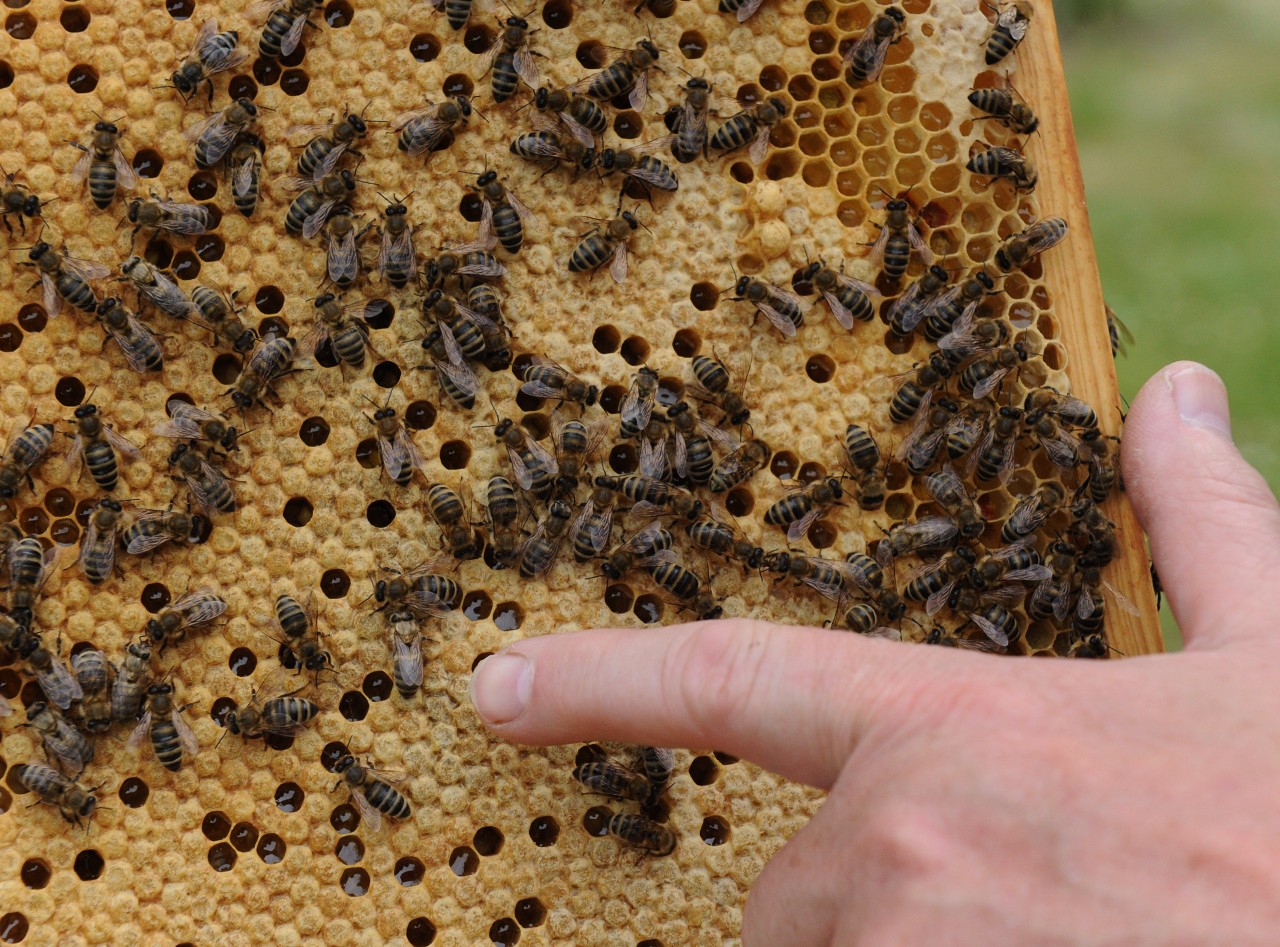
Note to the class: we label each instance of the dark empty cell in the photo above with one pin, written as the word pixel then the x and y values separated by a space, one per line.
pixel 589 753
pixel 822 535
pixel 652 942
pixel 30 693
pixel 278 741
pixel 294 82
pixel 622 459
pixel 158 252
pixel 380 513
pixel 530 912
pixel 420 415
pixel 454 455
pixel 557 14
pixel 147 163
pixel 611 398
pixel 749 94
pixel 784 465
pixel 527 402
pixel 268 300
pixel 386 374
pixel 714 831
pixel 367 454
pixel 202 186
pixel 686 342
pixel 155 597
pixel 420 932
pixel 409 872
pixel 349 849
pixel 244 836
pixel 457 84
pixel 186 265
pixel 82 79
pixel 669 390
pixel 13 928
pixel 648 608
pixel 475 662
pixel 825 69
pixel 628 125
pixel 294 58
pixel 692 44
pixel 820 368
pixel 897 506
pixel 739 501
pixel 314 431
pixel 334 583
pixel 772 78
pixel 242 87
pixel 471 207
pixel 210 247
pixel 606 339
pixel 331 754
pixel 215 826
pixel 35 873
pixel 242 662
pixel 596 821
pixel 20 25
pixel 88 865
pixel 83 509
pixel 476 604
pixel 544 831
pixel 33 521
pixel 271 848
pixel 222 857
pixel 617 598
pixel 338 13
pixel 10 337
pixel 742 172
pixel 478 38
pixel 726 759
pixel 424 47
pixel 32 318
pixel 180 9
pixel 353 706
pixel 297 511
pixel 783 165
pixel 69 391
pixel 635 350
pixel 10 685
pixel 266 71
pixel 504 932
pixel 222 709
pixel 6 75
pixel 590 54
pixel 488 841
pixel 344 819
pixel 704 771
pixel 811 472
pixel 289 797
pixel 134 792
pixel 463 861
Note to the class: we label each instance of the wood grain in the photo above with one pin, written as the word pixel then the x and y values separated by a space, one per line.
pixel 1072 270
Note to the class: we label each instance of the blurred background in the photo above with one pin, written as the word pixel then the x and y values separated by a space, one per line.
pixel 1177 111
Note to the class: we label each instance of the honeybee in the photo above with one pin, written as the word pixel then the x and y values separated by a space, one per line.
pixel 639 165
pixel 1016 562
pixel 285 21
pixel 1050 600
pixel 993 458
pixel 502 507
pixel 317 200
pixel 627 75
pixel 503 217
pixel 739 466
pixel 726 541
pixel 75 804
pixel 16 199
pixel 1089 615
pixel 25 451
pixel 1031 511
pixel 63 277
pixel 63 743
pixel 327 143
pixel 609 778
pixel 944 638
pixel 301 646
pixel 544 378
pixel 688 120
pixel 910 309
pixel 713 386
pixel 602 243
pixel 637 407
pixel 188 614
pixel 657 764
pixel 400 455
pixel 464 264
pixel 1065 408
pixel 750 128
pixel 956 306
pixel 593 526
pixel 511 60
pixel 954 498
pixel 342 258
pixel 132 679
pixel 582 117
pixel 780 306
pixel 915 392
pixel 865 466
pixel 926 535
pixel 104 165
pixel 919 449
pixel 1060 445
pixel 646 548
pixel 342 327
pixel 575 445
pixel 984 376
pixel 29 565
pixel 423 591
pixel 1104 471
pixel 141 350
pixel 693 438
pixel 801 508
pixel 158 288
pixel 50 673
pixel 449 511
pixel 1007 108
pixel 899 237
pixel 171 735
pixel 406 644
pixel 150 529
pixel 271 360
pixel 848 298
pixel 433 126
pixel 1117 332
pixel 933 582
pixel 1011 27
pixel 96 444
pixel 372 792
pixel 244 165
pixel 215 135
pixel 1002 162
pixel 744 9
pixel 548 148
pixel 93 674
pixel 970 336
pixel 831 578
pixel 1022 248
pixel 535 468
pixel 865 58
pixel 279 715
pixel 685 586
pixel 186 421
pixel 648 836
pixel 538 552
pixel 210 486
pixel 457 12
pixel 190 219
pixel 98 545
pixel 457 379
pixel 397 256
pixel 653 496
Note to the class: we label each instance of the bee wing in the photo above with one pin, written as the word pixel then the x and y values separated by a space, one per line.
pixel 680 455
pixel 778 320
pixel 316 336
pixel 546 459
pixel 330 161
pixel 289 42
pixel 653 458
pixel 527 67
pixel 92 538
pixel 168 296
pixel 489 57
pixel 139 545
pixel 311 226
pixel 540 389
pixel 142 730
pixel 989 384
pixel 917 431
pixel 201 486
pixel 1125 603
pixel 1018 29
pixel 182 218
pixel 635 409
pixel 461 375
pixel 408 657
pixel 430 134
pixel 81 169
pixel 640 91
pixel 909 308
pixel 726 441
pixel 398 246
pixel 221 60
pixel 126 179
pixel 527 217
pixel 1006 460
pixel 75 456
pixel 934 603
pixel 935 530
pixel 1027 516
pixel 422 112
pixel 85 269
pixel 839 310
pixel 120 442
pixel 52 301
pixel 653 177
pixel 185 735
pixel 261 9
pixel 577 130
pixel 134 342
pixel 1063 450
pixel 618 268
pixel 368 814
pixel 918 244
pixel 797 530
pixel 197 131
pixel 748 9
pixel 1029 574
pixel 996 634
pixel 58 684
pixel 308 131
pixel 399 450
pixel 877 248
pixel 242 176
pixel 200 607
pixel 190 412
pixel 859 47
pixel 488 269
pixel 293 182
pixel 342 260
pixel 759 145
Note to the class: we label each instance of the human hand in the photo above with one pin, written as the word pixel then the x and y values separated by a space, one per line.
pixel 973 800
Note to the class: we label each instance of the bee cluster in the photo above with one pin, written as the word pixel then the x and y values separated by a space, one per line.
pixel 946 489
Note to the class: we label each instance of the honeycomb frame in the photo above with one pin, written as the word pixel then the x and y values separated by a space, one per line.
pixel 191 857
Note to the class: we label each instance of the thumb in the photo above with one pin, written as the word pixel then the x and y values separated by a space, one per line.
pixel 794 700
pixel 1213 522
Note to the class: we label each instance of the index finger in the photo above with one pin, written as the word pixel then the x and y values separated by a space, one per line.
pixel 794 700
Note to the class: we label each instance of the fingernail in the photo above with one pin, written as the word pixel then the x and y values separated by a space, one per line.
pixel 501 687
pixel 1201 398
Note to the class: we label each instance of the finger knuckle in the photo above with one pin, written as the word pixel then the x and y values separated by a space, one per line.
pixel 716 672
pixel 906 843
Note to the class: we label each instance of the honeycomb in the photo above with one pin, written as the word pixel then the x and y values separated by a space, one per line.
pixel 255 845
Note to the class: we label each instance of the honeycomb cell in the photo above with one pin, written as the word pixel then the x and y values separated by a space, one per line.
pixel 88 865
pixel 504 932
pixel 420 932
pixel 424 47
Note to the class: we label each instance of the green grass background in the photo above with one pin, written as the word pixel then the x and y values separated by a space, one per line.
pixel 1177 110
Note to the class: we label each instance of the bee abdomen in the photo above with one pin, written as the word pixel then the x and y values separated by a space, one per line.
pixel 164 740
